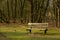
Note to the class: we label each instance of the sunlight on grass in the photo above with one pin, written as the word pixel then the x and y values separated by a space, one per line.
pixel 20 33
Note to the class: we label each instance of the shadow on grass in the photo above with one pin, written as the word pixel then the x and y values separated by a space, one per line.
pixel 15 33
pixel 47 33
pixel 32 38
pixel 29 38
pixel 26 33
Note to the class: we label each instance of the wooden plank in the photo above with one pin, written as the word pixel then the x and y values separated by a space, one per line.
pixel 38 24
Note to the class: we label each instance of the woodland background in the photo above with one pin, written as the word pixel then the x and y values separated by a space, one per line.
pixel 35 11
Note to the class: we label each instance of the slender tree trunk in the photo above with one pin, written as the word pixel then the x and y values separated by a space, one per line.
pixel 12 10
pixel 22 4
pixel 15 11
pixel 0 16
pixel 8 18
pixel 31 15
pixel 45 10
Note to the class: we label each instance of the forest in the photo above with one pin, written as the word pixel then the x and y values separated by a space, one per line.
pixel 34 11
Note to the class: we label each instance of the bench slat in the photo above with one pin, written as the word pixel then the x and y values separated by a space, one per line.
pixel 38 24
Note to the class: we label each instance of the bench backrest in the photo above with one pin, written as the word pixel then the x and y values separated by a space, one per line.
pixel 38 25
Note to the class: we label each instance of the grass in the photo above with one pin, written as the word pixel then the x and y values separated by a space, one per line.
pixel 20 33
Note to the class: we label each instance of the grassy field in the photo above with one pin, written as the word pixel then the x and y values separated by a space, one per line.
pixel 20 33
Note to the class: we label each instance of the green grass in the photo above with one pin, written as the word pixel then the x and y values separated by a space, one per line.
pixel 22 34
pixel 32 38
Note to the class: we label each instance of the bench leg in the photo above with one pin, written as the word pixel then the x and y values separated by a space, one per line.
pixel 30 31
pixel 45 32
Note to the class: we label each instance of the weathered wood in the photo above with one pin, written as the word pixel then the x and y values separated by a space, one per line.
pixel 38 24
pixel 41 26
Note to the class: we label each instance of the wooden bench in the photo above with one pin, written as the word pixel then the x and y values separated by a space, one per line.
pixel 40 26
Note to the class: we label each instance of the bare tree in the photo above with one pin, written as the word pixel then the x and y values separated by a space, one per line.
pixel 8 19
